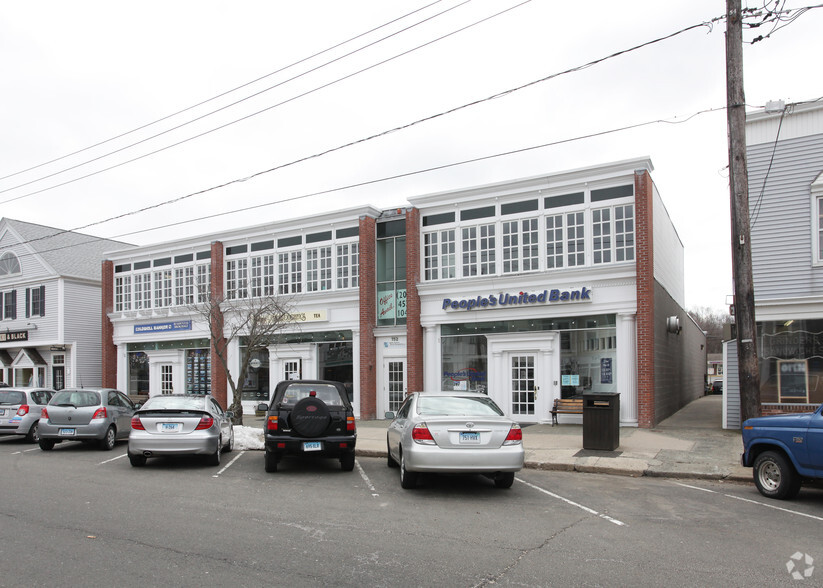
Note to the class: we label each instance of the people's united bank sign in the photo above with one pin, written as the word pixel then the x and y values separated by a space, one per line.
pixel 518 299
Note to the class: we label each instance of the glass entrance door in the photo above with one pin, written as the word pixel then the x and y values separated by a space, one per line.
pixel 394 378
pixel 522 384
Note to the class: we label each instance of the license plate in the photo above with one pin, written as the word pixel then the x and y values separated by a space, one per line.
pixel 312 446
pixel 66 432
pixel 170 427
pixel 470 437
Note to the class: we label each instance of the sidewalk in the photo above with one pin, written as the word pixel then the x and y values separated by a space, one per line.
pixel 689 444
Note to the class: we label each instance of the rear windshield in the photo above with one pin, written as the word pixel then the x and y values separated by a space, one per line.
pixel 7 397
pixel 324 392
pixel 174 403
pixel 457 406
pixel 75 398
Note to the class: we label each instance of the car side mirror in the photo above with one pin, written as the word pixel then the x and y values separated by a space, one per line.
pixel 137 405
pixel 262 407
pixel 230 414
pixel 389 415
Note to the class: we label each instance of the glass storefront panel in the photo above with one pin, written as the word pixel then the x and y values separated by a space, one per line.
pixel 588 352
pixel 465 364
pixel 256 383
pixel 791 361
pixel 198 371
pixel 138 373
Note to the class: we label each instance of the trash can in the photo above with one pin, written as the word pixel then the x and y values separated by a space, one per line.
pixel 601 420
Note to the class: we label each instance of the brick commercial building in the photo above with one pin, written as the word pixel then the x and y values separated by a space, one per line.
pixel 528 290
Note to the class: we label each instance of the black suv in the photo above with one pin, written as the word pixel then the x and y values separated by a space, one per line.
pixel 309 418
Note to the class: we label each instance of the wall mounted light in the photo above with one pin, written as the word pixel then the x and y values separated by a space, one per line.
pixel 673 325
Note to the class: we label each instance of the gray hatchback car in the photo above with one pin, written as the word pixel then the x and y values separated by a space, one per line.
pixel 20 411
pixel 101 415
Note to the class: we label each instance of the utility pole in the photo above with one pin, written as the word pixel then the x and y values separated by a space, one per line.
pixel 749 375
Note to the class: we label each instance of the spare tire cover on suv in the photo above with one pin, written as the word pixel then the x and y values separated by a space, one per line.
pixel 310 417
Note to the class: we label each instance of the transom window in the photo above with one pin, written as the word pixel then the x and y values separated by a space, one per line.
pixel 9 264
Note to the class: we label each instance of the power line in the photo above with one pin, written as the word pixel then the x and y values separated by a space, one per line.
pixel 674 121
pixel 227 92
pixel 222 108
pixel 403 127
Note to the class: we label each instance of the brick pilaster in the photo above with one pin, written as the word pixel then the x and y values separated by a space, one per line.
pixel 414 331
pixel 109 351
pixel 219 378
pixel 368 304
pixel 644 246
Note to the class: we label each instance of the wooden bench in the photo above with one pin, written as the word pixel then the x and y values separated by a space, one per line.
pixel 566 406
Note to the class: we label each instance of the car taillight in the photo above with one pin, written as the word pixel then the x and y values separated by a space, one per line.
pixel 515 436
pixel 421 434
pixel 271 424
pixel 44 414
pixel 23 410
pixel 205 423
pixel 350 426
pixel 137 424
pixel 100 413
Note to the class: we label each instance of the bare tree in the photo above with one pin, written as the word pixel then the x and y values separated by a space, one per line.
pixel 711 321
pixel 256 320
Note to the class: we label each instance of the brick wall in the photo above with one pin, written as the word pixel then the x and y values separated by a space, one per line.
pixel 414 332
pixel 368 345
pixel 219 386
pixel 109 352
pixel 644 246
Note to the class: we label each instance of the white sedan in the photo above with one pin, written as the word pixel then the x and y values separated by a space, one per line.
pixel 453 432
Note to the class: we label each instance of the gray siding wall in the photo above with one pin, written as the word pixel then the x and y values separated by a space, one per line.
pixel 731 387
pixel 679 359
pixel 782 249
pixel 83 325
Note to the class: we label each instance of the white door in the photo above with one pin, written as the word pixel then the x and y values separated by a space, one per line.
pixel 394 383
pixel 166 378
pixel 523 385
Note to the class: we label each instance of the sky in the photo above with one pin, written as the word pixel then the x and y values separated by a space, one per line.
pixel 283 95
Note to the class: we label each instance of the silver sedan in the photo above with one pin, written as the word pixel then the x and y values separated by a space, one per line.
pixel 453 432
pixel 180 424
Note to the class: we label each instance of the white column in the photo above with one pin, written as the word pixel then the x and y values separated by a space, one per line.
pixel 432 361
pixel 355 344
pixel 627 367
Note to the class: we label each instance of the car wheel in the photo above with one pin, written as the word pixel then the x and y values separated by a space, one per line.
pixel 408 480
pixel 46 444
pixel 271 462
pixel 504 480
pixel 108 440
pixel 137 461
pixel 230 447
pixel 310 417
pixel 390 460
pixel 775 477
pixel 33 435
pixel 347 461
pixel 214 458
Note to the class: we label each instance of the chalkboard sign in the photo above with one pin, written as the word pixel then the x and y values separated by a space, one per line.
pixel 605 370
pixel 793 385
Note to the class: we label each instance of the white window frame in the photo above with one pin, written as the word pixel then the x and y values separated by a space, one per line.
pixel 237 278
pixel 162 288
pixel 318 269
pixel 817 220
pixel 440 254
pixel 348 265
pixel 142 290
pixel 290 272
pixel 122 293
pixel 478 250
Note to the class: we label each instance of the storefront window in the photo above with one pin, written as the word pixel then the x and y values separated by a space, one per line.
pixel 465 364
pixel 791 361
pixel 198 371
pixel 138 373
pixel 256 382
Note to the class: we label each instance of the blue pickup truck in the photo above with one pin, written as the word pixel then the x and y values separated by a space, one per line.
pixel 784 450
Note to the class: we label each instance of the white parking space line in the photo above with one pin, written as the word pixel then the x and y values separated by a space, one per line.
pixel 112 459
pixel 228 465
pixel 575 504
pixel 23 451
pixel 366 479
pixel 749 500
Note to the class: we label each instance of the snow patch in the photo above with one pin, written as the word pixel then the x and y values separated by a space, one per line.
pixel 248 438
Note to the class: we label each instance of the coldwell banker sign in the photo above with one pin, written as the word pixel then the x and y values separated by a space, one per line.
pixel 506 299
